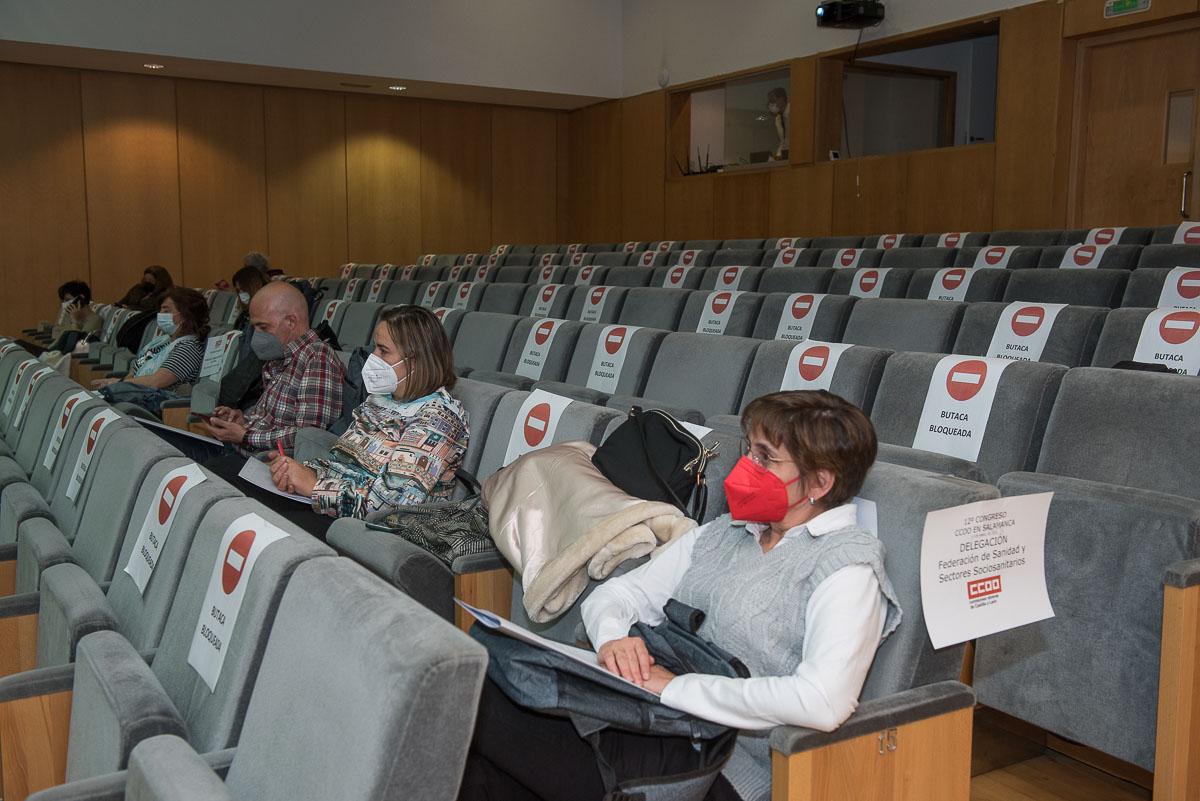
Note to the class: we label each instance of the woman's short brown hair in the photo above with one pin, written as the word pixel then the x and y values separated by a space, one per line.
pixel 419 335
pixel 820 431
pixel 193 308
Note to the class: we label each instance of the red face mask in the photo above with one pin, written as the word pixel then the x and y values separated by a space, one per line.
pixel 755 494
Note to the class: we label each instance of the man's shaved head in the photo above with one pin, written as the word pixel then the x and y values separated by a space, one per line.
pixel 280 309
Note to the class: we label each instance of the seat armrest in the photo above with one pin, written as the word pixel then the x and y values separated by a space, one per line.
pixel 166 768
pixel 478 563
pixel 1183 575
pixel 39 681
pixel 177 403
pixel 412 569
pixel 109 787
pixel 910 706
pixel 25 603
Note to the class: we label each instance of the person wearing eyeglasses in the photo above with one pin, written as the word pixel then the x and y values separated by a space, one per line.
pixel 790 584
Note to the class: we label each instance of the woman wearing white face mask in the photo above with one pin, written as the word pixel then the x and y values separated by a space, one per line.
pixel 169 360
pixel 407 440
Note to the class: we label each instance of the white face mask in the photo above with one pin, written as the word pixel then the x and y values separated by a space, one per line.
pixel 379 377
pixel 166 323
pixel 68 302
pixel 244 297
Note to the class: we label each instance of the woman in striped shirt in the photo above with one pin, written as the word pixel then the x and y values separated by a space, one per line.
pixel 169 360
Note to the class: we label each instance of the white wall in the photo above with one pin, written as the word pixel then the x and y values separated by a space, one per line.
pixel 696 39
pixel 567 46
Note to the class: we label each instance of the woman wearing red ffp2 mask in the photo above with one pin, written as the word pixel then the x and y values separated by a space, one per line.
pixel 789 583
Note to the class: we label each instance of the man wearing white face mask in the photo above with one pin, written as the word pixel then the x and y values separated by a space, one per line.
pixel 302 376
pixel 169 360
pixel 407 440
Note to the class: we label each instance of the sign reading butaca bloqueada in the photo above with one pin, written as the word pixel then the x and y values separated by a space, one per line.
pixel 1171 337
pixel 983 568
pixel 958 405
pixel 536 422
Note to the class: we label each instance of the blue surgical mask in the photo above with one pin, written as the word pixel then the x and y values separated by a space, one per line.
pixel 166 323
pixel 244 297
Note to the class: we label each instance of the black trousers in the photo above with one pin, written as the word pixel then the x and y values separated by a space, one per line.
pixel 228 466
pixel 521 755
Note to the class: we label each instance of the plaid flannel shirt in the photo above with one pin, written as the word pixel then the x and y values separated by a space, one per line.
pixel 302 390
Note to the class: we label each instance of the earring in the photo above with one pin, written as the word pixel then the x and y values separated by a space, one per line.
pixel 812 501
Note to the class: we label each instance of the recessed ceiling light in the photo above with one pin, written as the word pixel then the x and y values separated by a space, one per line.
pixel 153 66
pixel 397 87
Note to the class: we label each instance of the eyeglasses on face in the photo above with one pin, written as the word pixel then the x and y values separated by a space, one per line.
pixel 758 454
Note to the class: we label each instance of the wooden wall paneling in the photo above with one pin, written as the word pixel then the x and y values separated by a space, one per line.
pixel 643 166
pixel 456 177
pixel 869 194
pixel 595 179
pixel 131 160
pixel 1028 93
pixel 524 175
pixel 222 178
pixel 951 189
pixel 383 179
pixel 1083 17
pixel 43 227
pixel 306 180
pixel 741 205
pixel 689 212
pixel 563 188
pixel 801 201
pixel 679 133
pixel 827 128
pixel 803 111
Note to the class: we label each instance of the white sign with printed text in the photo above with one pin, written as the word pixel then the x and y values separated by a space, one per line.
pixel 1104 236
pixel 868 282
pixel 593 307
pixel 1181 289
pixel 983 568
pixel 241 546
pixel 609 359
pixel 1023 330
pixel 788 257
pixel 156 527
pixel 1083 257
pixel 537 348
pixel 87 450
pixel 536 422
pixel 995 257
pixel 958 404
pixel 545 300
pixel 951 283
pixel 35 380
pixel 60 426
pixel 812 364
pixel 1171 337
pixel 799 313
pixel 717 309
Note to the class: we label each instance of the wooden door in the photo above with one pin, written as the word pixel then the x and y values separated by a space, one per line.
pixel 1135 140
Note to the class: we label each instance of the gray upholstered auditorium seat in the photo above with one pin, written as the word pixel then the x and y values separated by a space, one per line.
pixel 546 300
pixel 913 258
pixel 679 276
pixel 1110 257
pixel 540 349
pixel 432 294
pixel 401 293
pixel 364 271
pixel 834 242
pixel 116 692
pixel 427 274
pixel 547 274
pixel 392 703
pixel 599 304
pixel 219 306
pixel 447 259
pixel 541 250
pixel 1107 236
pixel 331 287
pixel 31 436
pixel 720 311
pixel 460 272
pixel 871 282
pixel 502 298
pixel 695 376
pixel 91 531
pixel 699 244
pixel 1167 234
pixel 1159 286
pixel 781 242
pixel 72 601
pixel 850 258
pixel 521 250
pixel 450 319
pixel 1123 329
pixel 1012 257
pixel 743 244
pixel 900 324
pixel 600 247
pixel 479 399
pixel 616 259
pixel 629 276
pixel 654 308
pixel 1081 287
pixel 1011 437
pixel 955 239
pixel 1071 341
pixel 736 257
pixel 516 260
pixel 518 274
pixel 892 241
pixel 784 315
pixel 789 279
pixel 791 257
pixel 1170 256
pixel 741 277
pixel 482 341
pixel 855 376
pixel 330 311
pixel 1036 238
pixel 585 275
pixel 467 295
pixel 358 325
pixel 982 285
pixel 377 290
pixel 603 364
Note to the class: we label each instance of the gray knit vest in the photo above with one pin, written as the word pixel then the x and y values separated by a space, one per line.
pixel 755 605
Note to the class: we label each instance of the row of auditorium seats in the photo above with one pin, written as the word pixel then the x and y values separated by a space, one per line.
pixel 152 614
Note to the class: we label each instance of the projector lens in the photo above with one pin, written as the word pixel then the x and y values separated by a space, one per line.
pixel 820 11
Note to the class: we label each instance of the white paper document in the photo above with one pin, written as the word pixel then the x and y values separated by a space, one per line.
pixel 983 568
pixel 174 430
pixel 259 474
pixel 507 627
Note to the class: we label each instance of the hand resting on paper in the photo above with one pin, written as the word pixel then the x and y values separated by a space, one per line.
pixel 629 659
pixel 291 476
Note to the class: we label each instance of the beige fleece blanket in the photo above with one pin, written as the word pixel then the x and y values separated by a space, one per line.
pixel 559 522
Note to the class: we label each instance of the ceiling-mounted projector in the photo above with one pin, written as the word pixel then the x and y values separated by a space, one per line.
pixel 849 14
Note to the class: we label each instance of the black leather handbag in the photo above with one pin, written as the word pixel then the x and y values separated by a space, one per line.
pixel 653 457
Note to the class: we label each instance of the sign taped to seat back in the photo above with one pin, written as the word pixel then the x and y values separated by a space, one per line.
pixel 1181 289
pixel 1171 337
pixel 1023 330
pixel 811 365
pixel 160 516
pixel 243 543
pixel 609 359
pixel 536 422
pixel 958 404
pixel 537 348
pixel 799 313
pixel 983 568
pixel 951 283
